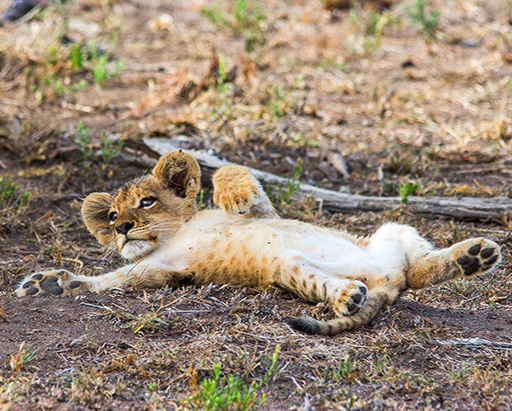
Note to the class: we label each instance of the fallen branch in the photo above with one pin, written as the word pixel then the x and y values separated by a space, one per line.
pixel 475 342
pixel 469 208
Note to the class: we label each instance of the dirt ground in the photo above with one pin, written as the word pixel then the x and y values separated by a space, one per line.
pixel 261 84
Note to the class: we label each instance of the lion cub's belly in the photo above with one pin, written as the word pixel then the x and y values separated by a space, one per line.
pixel 250 251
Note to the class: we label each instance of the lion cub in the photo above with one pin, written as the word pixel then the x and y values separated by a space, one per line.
pixel 153 221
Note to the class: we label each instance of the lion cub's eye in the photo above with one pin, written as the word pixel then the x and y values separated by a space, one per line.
pixel 113 215
pixel 147 201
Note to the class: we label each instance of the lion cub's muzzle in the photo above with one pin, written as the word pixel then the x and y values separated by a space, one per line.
pixel 134 242
pixel 125 227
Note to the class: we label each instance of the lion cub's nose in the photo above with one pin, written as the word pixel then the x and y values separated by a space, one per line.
pixel 124 227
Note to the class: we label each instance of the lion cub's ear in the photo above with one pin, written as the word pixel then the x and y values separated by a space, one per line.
pixel 95 214
pixel 180 173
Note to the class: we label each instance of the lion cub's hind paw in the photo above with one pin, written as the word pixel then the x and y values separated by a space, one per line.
pixel 351 299
pixel 479 257
pixel 52 282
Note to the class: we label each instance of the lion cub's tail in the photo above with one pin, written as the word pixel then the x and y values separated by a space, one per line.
pixel 309 325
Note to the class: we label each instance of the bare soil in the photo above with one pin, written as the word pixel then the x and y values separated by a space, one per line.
pixel 399 106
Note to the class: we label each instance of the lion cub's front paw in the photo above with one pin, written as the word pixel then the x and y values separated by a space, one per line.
pixel 477 256
pixel 236 201
pixel 351 299
pixel 54 282
pixel 236 189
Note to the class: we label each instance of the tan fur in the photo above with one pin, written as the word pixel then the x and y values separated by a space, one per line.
pixel 153 221
pixel 246 197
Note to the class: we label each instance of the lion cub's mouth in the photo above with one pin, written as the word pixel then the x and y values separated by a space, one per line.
pixel 123 240
pixel 136 248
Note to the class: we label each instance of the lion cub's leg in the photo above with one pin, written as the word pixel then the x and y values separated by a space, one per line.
pixel 238 192
pixel 422 265
pixel 462 260
pixel 62 282
pixel 347 296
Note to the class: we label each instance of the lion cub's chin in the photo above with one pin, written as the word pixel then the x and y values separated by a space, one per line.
pixel 136 249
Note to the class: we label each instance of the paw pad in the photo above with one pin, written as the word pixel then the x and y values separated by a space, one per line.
pixel 75 284
pixel 50 283
pixel 475 249
pixel 479 257
pixel 491 260
pixel 470 265
pixel 32 291
pixel 487 252
pixel 351 299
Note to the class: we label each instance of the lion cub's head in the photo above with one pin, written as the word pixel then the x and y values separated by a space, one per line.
pixel 145 212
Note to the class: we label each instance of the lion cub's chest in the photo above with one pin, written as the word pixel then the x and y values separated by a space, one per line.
pixel 224 252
